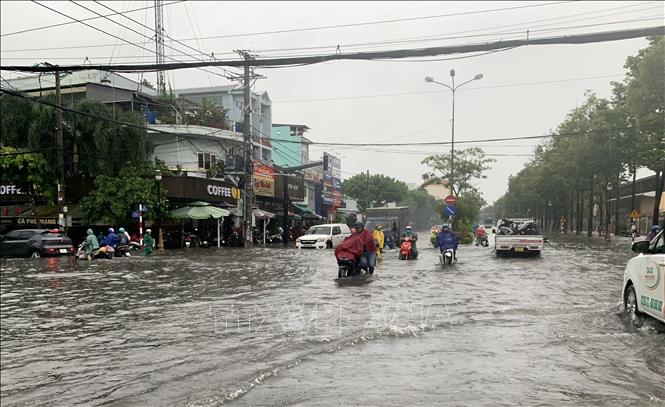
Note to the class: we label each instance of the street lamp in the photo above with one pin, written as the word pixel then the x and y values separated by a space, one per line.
pixel 453 88
pixel 160 241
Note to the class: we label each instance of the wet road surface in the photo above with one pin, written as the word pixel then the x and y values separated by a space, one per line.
pixel 273 326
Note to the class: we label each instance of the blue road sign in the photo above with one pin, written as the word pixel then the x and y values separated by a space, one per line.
pixel 450 210
pixel 135 215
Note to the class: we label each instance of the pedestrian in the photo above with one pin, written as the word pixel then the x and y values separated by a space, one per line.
pixel 379 239
pixel 652 233
pixel 148 242
pixel 633 230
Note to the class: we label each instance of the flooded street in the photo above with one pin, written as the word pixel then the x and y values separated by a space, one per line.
pixel 273 326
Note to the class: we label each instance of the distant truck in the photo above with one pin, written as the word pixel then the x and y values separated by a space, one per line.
pixel 517 236
pixel 393 221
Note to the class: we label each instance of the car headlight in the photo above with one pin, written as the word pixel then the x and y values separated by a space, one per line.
pixel 321 239
pixel 298 240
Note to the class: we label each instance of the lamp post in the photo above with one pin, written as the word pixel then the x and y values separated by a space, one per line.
pixel 453 88
pixel 160 241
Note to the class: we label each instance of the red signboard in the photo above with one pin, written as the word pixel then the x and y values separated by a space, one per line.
pixel 450 200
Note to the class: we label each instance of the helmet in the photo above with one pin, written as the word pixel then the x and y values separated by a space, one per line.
pixel 148 231
pixel 655 228
pixel 111 230
pixel 408 227
pixel 121 230
pixel 378 227
pixel 445 226
pixel 359 226
pixel 89 231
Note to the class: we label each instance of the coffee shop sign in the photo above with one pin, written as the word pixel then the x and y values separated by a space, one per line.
pixel 223 191
pixel 10 190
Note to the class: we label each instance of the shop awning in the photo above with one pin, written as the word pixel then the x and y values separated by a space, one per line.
pixel 261 214
pixel 199 210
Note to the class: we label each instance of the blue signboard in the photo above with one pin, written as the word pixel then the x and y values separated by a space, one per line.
pixel 450 210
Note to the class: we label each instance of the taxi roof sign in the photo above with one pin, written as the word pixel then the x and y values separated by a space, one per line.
pixel 634 214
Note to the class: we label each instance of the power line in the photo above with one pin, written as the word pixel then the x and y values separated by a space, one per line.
pixel 367 23
pixel 396 54
pixel 85 19
pixel 166 35
pixel 133 30
pixel 427 38
pixel 380 95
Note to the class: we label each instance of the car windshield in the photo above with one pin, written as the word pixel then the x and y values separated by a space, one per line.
pixel 319 230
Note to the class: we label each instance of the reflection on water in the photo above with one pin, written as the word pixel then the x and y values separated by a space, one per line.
pixel 206 326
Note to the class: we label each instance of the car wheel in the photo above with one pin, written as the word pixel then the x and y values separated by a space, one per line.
pixel 35 254
pixel 329 245
pixel 630 301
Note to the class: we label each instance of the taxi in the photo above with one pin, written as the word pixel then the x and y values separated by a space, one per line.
pixel 644 279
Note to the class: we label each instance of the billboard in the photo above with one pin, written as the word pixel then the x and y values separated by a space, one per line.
pixel 263 179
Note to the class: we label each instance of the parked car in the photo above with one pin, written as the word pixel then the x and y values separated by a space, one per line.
pixel 325 236
pixel 36 243
pixel 643 279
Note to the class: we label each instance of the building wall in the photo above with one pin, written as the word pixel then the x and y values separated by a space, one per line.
pixel 287 149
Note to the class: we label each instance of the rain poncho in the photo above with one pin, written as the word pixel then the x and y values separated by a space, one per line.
pixel 447 240
pixel 379 239
pixel 149 243
pixel 91 243
pixel 110 240
pixel 355 245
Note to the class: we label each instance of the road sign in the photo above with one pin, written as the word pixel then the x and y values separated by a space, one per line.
pixel 450 210
pixel 450 200
pixel 634 214
pixel 135 214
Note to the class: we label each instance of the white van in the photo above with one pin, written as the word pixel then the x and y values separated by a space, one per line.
pixel 326 236
pixel 644 279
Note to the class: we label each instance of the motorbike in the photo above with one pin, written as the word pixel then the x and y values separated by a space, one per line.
pixel 101 253
pixel 483 241
pixel 348 267
pixel 122 250
pixel 446 257
pixel 406 249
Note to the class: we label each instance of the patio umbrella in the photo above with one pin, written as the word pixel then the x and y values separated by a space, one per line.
pixel 201 210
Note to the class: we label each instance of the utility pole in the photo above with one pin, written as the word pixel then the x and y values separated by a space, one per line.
pixel 285 222
pixel 247 150
pixel 159 45
pixel 61 153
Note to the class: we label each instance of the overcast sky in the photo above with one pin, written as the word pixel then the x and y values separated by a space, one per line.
pixel 372 101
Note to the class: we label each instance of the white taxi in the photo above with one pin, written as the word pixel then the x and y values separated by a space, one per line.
pixel 326 236
pixel 644 279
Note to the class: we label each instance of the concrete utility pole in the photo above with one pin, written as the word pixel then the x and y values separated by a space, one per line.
pixel 247 152
pixel 61 153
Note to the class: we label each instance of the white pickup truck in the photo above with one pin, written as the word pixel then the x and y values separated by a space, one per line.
pixel 517 236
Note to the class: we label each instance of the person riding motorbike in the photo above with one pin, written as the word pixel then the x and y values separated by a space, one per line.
pixel 379 240
pixel 447 239
pixel 111 239
pixel 480 234
pixel 408 232
pixel 359 247
pixel 123 237
pixel 91 244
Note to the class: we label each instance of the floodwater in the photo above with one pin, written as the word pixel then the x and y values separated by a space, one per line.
pixel 268 326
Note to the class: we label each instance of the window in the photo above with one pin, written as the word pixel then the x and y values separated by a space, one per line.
pixel 25 235
pixel 207 160
pixel 658 246
pixel 337 230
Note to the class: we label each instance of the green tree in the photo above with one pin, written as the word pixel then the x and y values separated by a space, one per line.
pixel 28 171
pixel 470 164
pixel 114 198
pixel 424 209
pixel 376 191
pixel 207 113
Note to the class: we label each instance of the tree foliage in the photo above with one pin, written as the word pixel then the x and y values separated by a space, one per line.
pixel 28 171
pixel 424 209
pixel 469 164
pixel 376 191
pixel 594 147
pixel 113 199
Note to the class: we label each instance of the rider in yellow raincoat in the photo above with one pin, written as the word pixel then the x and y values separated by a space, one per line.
pixel 379 239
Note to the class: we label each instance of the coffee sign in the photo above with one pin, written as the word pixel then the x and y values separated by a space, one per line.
pixel 201 189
